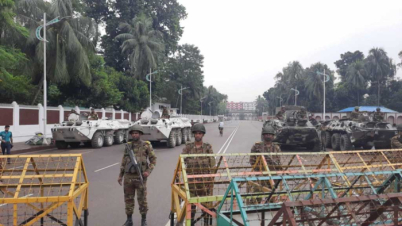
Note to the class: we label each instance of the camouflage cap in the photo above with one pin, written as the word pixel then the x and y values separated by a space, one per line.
pixel 198 128
pixel 378 109
pixel 137 128
pixel 357 108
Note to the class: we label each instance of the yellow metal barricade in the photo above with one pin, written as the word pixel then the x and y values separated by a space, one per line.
pixel 43 190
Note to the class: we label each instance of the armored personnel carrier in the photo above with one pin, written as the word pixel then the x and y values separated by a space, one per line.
pixel 175 130
pixel 346 134
pixel 295 130
pixel 95 133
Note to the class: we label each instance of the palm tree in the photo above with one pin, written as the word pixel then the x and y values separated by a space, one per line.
pixel 314 82
pixel 69 41
pixel 379 67
pixel 356 77
pixel 141 43
pixel 292 75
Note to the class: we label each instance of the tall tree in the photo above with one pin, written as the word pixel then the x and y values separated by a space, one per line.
pixel 356 77
pixel 347 59
pixel 380 69
pixel 142 44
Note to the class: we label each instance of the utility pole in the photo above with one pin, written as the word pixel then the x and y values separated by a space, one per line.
pixel 201 103
pixel 210 108
pixel 44 81
pixel 181 98
pixel 296 94
pixel 149 79
pixel 324 80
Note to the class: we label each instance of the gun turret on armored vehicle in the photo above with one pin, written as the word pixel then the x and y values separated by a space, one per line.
pixel 95 133
pixel 295 130
pixel 173 129
pixel 346 134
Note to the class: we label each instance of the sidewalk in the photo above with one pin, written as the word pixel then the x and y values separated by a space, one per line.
pixel 21 147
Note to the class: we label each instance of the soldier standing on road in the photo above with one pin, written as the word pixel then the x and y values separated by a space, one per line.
pixel 93 115
pixel 266 146
pixel 378 115
pixel 354 115
pixel 396 141
pixel 143 153
pixel 199 165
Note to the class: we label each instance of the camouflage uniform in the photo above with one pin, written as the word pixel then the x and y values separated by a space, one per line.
pixel 273 162
pixel 396 142
pixel 354 115
pixel 142 151
pixel 165 113
pixel 279 115
pixel 378 117
pixel 93 116
pixel 199 165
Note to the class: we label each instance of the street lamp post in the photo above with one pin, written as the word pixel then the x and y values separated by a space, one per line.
pixel 296 94
pixel 210 108
pixel 325 79
pixel 280 101
pixel 149 78
pixel 181 98
pixel 201 103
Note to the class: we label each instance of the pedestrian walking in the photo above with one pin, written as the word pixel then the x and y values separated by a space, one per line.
pixel 6 141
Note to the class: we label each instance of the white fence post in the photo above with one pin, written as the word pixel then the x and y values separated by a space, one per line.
pixel 61 114
pixel 103 113
pixel 16 116
pixel 122 114
pixel 129 116
pixel 113 114
pixel 41 115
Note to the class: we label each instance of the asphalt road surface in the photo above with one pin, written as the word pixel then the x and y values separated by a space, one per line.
pixel 106 199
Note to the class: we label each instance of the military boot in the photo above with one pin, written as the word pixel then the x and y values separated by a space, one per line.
pixel 128 223
pixel 144 220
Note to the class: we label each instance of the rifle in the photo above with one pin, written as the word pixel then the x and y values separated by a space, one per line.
pixel 133 163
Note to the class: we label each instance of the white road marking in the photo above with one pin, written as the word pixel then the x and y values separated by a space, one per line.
pixel 227 146
pixel 223 146
pixel 21 197
pixel 106 167
pixel 17 167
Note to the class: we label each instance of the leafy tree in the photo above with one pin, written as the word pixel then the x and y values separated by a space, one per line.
pixel 166 16
pixel 380 69
pixel 356 77
pixel 347 59
pixel 262 105
pixel 142 44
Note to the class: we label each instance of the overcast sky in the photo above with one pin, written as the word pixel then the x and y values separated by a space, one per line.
pixel 245 43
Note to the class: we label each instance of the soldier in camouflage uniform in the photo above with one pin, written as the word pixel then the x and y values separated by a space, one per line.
pixel 302 115
pixel 266 146
pixel 280 114
pixel 165 113
pixel 199 165
pixel 143 153
pixel 93 115
pixel 396 141
pixel 354 115
pixel 378 115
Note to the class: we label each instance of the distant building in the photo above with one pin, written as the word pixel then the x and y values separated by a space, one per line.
pixel 248 106
pixel 234 105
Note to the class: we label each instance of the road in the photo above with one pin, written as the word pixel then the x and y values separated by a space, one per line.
pixel 106 200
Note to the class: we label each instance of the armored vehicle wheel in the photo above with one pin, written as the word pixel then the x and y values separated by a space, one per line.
pixel 345 143
pixel 336 141
pixel 74 144
pixel 119 137
pixel 61 145
pixel 108 140
pixel 184 135
pixel 188 131
pixel 171 142
pixel 178 137
pixel 327 140
pixel 97 140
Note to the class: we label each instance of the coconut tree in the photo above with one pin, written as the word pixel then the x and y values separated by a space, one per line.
pixel 69 41
pixel 380 68
pixel 141 43
pixel 356 77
